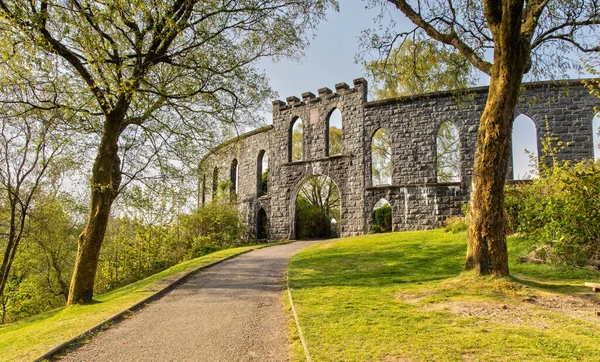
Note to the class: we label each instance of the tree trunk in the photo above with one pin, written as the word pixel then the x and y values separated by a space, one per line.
pixel 487 251
pixel 104 186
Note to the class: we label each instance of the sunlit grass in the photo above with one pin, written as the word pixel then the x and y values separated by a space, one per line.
pixel 32 337
pixel 398 297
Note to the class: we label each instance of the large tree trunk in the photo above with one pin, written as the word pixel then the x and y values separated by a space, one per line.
pixel 487 251
pixel 104 185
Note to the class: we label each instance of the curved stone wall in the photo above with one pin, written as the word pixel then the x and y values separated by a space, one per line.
pixel 418 201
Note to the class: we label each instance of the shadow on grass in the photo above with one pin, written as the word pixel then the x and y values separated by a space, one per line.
pixel 561 287
pixel 362 263
pixel 416 257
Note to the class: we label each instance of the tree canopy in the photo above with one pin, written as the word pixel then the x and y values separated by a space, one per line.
pixel 419 66
pixel 151 80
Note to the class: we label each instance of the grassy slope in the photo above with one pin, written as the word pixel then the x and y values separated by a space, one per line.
pixel 31 337
pixel 372 298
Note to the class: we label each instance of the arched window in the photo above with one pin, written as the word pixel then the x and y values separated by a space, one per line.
pixel 381 157
pixel 203 189
pixel 234 179
pixel 524 148
pixel 215 183
pixel 596 136
pixel 295 142
pixel 262 174
pixel 382 217
pixel 448 153
pixel 334 133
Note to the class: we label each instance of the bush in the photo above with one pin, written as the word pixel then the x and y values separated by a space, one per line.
pixel 311 221
pixel 382 219
pixel 561 209
pixel 215 226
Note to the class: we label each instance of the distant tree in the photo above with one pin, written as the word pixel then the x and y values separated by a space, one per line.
pixel 28 147
pixel 448 153
pixel 419 66
pixel 335 141
pixel 381 155
pixel 521 37
pixel 154 78
pixel 297 141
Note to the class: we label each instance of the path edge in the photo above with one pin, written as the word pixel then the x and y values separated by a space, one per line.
pixel 300 334
pixel 141 304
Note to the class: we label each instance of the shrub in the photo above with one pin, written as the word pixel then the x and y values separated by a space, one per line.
pixel 312 221
pixel 382 219
pixel 213 227
pixel 561 209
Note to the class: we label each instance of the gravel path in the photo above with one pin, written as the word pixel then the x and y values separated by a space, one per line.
pixel 230 312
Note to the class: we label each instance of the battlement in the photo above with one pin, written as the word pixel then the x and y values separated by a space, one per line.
pixel 341 89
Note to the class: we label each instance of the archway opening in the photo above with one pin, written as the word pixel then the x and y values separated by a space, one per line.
pixel 318 209
pixel 215 183
pixel 524 148
pixel 203 189
pixel 234 180
pixel 448 153
pixel 381 157
pixel 296 140
pixel 382 217
pixel 262 225
pixel 262 174
pixel 596 136
pixel 334 133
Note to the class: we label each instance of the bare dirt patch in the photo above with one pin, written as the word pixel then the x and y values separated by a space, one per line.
pixel 529 310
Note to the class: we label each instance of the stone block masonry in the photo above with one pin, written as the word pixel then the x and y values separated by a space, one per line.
pixel 418 201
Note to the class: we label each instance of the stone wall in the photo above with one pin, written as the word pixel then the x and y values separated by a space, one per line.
pixel 418 201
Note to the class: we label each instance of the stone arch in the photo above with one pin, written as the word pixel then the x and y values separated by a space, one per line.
pixel 296 140
pixel 525 149
pixel 215 183
pixel 447 142
pixel 596 136
pixel 294 195
pixel 233 178
pixel 381 157
pixel 262 224
pixel 262 184
pixel 334 132
pixel 387 223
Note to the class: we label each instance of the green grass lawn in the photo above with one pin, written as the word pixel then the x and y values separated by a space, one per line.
pixel 404 297
pixel 32 337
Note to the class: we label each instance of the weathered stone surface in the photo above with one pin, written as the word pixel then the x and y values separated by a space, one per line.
pixel 417 200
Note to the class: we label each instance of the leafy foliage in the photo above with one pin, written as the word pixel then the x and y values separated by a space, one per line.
pixel 335 141
pixel 297 141
pixel 381 157
pixel 382 219
pixel 561 209
pixel 448 153
pixel 311 221
pixel 419 66
pixel 318 209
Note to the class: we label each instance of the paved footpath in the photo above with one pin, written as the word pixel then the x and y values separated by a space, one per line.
pixel 230 312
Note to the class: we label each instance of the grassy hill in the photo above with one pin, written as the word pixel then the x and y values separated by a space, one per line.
pixel 404 297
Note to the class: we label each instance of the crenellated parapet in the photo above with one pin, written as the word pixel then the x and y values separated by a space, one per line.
pixel 324 94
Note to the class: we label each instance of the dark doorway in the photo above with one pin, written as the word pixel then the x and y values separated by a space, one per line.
pixel 262 224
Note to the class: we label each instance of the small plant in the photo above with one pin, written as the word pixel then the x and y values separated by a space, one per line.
pixel 382 219
pixel 456 224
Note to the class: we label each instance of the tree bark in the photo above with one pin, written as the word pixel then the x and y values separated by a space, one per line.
pixel 104 186
pixel 487 251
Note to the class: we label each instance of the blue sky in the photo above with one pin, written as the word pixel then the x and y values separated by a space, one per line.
pixel 330 59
